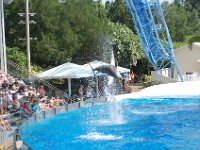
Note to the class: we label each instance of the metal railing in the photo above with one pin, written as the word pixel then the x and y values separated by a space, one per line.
pixel 17 71
pixel 7 138
pixel 192 76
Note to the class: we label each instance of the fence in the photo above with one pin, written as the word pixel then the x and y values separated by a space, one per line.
pixel 4 137
pixel 191 76
pixel 17 71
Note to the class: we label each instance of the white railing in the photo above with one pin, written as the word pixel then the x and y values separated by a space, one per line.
pixel 192 77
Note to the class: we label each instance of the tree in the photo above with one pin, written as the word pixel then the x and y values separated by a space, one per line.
pixel 16 55
pixel 193 22
pixel 118 12
pixel 194 38
pixel 192 4
pixel 179 2
pixel 64 29
pixel 176 19
pixel 101 9
pixel 14 31
pixel 127 45
pixel 108 6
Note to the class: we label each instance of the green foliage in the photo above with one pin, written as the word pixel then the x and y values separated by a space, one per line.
pixel 74 28
pixel 179 44
pixel 63 29
pixel 14 31
pixel 191 5
pixel 35 69
pixel 57 81
pixel 181 20
pixel 147 78
pixel 128 46
pixel 193 22
pixel 16 55
pixel 188 40
pixel 150 82
pixel 118 12
pixel 194 38
pixel 176 21
pixel 100 8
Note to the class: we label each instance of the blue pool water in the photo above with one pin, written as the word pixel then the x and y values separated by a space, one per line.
pixel 167 124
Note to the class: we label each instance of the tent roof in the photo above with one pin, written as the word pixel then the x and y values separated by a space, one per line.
pixel 122 70
pixel 67 70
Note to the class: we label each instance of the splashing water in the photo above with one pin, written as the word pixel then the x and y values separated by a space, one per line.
pixel 115 110
pixel 99 136
pixel 112 62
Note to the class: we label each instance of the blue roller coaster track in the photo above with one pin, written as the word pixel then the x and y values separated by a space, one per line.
pixel 149 21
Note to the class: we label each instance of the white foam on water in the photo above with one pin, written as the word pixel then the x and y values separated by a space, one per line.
pixel 108 122
pixel 96 136
pixel 136 112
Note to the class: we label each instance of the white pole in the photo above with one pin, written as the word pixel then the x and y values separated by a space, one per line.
pixel 3 38
pixel 28 39
pixel 69 87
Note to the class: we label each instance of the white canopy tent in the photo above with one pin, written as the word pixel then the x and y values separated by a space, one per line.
pixel 122 70
pixel 67 70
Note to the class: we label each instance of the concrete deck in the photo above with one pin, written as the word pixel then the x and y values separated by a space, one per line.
pixel 179 89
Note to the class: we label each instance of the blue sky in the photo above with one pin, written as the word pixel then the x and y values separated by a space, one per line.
pixel 160 0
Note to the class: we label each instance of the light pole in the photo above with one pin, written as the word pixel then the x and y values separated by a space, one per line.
pixel 27 24
pixel 2 36
pixel 28 39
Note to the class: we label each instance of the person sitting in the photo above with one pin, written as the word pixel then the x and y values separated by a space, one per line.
pixel 66 98
pixel 5 126
pixel 16 104
pixel 2 112
pixel 58 101
pixel 51 102
pixel 35 106
pixel 41 92
pixel 1 80
pixel 80 93
pixel 41 105
pixel 26 108
pixel 131 78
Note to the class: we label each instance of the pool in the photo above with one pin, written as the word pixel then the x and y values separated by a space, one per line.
pixel 157 123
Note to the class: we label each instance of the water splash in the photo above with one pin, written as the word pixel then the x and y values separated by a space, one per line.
pixel 96 136
pixel 115 110
pixel 116 113
pixel 112 62
pixel 137 112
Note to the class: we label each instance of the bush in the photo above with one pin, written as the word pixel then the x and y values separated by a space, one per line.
pixel 147 78
pixel 150 82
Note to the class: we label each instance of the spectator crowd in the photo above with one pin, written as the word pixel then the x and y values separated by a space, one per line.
pixel 18 98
